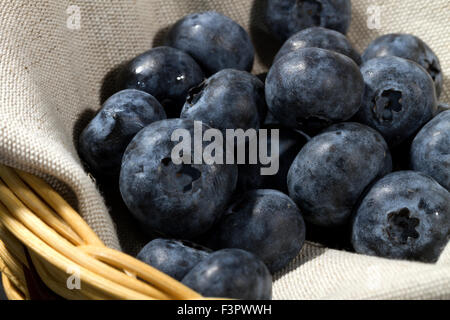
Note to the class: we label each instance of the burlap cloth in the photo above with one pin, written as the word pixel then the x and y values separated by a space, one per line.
pixel 53 78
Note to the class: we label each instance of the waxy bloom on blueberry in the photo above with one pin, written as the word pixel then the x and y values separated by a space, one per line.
pixel 215 41
pixel 231 273
pixel 104 140
pixel 286 17
pixel 405 215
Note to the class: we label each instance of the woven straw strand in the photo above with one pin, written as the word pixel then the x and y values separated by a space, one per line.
pixel 57 243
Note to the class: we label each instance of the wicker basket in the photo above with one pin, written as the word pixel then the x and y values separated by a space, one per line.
pixel 41 233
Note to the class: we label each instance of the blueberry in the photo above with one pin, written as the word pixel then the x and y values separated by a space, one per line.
pixel 173 257
pixel 312 88
pixel 230 99
pixel 399 98
pixel 319 37
pixel 406 215
pixel 290 143
pixel 180 201
pixel 332 170
pixel 409 47
pixel 231 273
pixel 164 72
pixel 215 41
pixel 286 17
pixel 266 223
pixel 430 150
pixel 104 140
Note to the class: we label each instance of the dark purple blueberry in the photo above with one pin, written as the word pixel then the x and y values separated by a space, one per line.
pixel 231 273
pixel 173 257
pixel 399 98
pixel 409 47
pixel 266 223
pixel 333 169
pixel 430 150
pixel 284 18
pixel 318 37
pixel 230 99
pixel 164 72
pixel 104 140
pixel 312 88
pixel 405 215
pixel 178 200
pixel 215 41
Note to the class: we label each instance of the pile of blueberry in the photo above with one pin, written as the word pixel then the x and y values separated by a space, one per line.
pixel 364 147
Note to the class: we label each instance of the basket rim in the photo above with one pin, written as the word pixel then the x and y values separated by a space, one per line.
pixel 34 218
